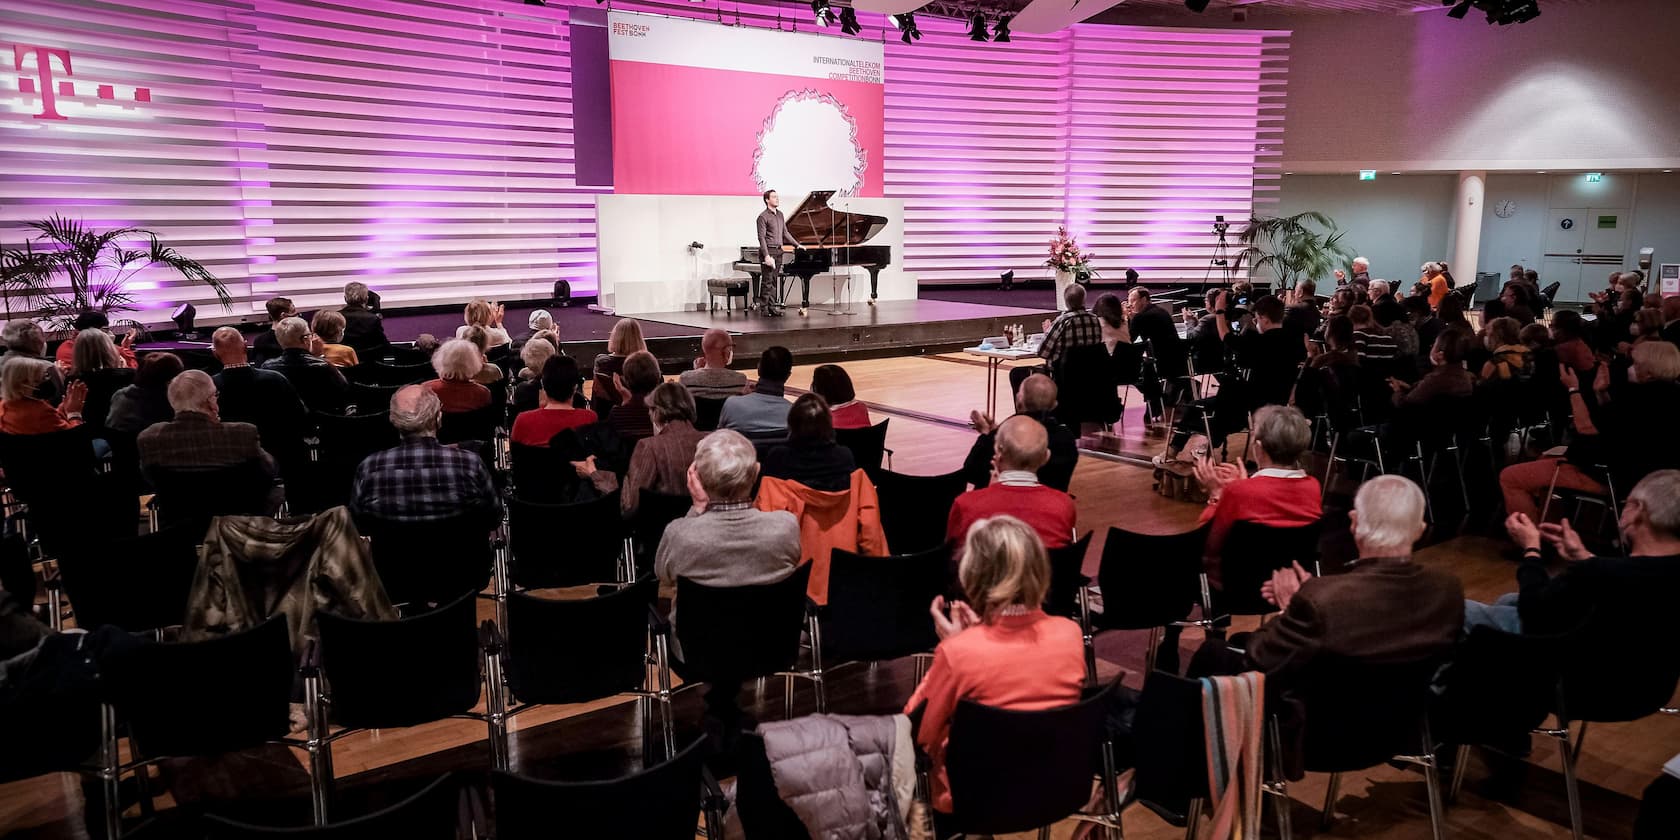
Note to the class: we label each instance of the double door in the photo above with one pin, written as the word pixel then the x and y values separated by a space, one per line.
pixel 1583 245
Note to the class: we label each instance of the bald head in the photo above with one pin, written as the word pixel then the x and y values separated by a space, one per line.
pixel 1022 444
pixel 718 348
pixel 229 346
pixel 1037 394
pixel 416 411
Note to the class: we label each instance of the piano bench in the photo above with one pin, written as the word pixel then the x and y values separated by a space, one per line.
pixel 728 287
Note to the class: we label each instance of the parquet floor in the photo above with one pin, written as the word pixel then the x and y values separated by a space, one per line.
pixel 1503 799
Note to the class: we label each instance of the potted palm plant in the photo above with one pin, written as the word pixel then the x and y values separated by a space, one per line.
pixel 67 270
pixel 1293 248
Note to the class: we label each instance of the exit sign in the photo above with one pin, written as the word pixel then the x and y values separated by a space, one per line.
pixel 1594 177
pixel 1367 174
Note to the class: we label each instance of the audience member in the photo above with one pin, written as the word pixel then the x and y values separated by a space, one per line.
pixel 146 402
pixel 1424 321
pixel 761 414
pixel 197 438
pixel 488 374
pixel 630 418
pixel 426 344
pixel 810 456
pixel 1271 356
pixel 1370 340
pixel 263 398
pixel 456 363
pixel 1361 272
pixel 1670 316
pixel 1338 345
pixel 539 321
pixel 22 411
pixel 98 363
pixel 1036 398
pixel 1446 380
pixel 1385 307
pixel 482 313
pixel 625 340
pixel 23 338
pixel 847 519
pixel 1519 303
pixel 1074 327
pixel 321 387
pixel 1569 340
pixel 1451 315
pixel 1511 358
pixel 1435 276
pixel 1163 380
pixel 534 354
pixel 1277 494
pixel 329 325
pixel 555 412
pixel 1205 345
pixel 364 329
pixel 421 480
pixel 1023 448
pixel 711 378
pixel 832 383
pixel 123 350
pixel 1548 605
pixel 1303 315
pixel 266 346
pixel 999 649
pixel 660 463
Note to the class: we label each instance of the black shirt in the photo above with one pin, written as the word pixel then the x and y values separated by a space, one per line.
pixel 1628 586
pixel 1056 473
pixel 1303 318
pixel 363 328
pixel 1272 359
pixel 1155 326
pixel 265 347
pixel 321 387
pixel 824 465
pixel 264 399
pixel 1206 347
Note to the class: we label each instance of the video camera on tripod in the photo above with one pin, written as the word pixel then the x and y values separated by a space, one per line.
pixel 1220 226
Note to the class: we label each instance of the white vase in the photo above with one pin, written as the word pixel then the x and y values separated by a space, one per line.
pixel 1064 279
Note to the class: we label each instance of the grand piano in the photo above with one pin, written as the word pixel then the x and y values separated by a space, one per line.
pixel 829 239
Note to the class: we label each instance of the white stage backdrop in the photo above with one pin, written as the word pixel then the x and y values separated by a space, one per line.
pixel 646 265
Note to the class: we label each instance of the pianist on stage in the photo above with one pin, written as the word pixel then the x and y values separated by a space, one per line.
pixel 772 236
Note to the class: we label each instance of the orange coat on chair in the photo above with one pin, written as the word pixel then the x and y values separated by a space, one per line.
pixel 849 520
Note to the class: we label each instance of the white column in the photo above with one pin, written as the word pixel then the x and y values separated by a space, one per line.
pixel 1468 219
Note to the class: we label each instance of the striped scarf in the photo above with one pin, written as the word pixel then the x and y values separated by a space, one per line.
pixel 1234 713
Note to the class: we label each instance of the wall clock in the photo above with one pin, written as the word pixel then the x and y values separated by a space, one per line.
pixel 1505 209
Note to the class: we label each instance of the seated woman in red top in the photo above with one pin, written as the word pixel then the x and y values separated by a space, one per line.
pixel 22 412
pixel 1277 494
pixel 833 384
pixel 456 363
pixel 1003 651
pixel 554 413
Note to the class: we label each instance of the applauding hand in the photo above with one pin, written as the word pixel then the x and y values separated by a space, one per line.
pixel 959 618
pixel 1284 584
pixel 1565 540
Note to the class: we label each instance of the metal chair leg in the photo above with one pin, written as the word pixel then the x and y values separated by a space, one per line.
pixel 1571 785
pixel 1279 786
pixel 1086 638
pixel 1460 768
pixel 818 685
pixel 1432 783
pixel 787 696
pixel 1192 819
pixel 110 771
pixel 1329 816
pixel 319 749
pixel 1149 653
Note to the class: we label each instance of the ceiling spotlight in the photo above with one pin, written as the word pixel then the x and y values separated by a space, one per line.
pixel 849 22
pixel 906 23
pixel 977 28
pixel 1197 6
pixel 541 3
pixel 1000 30
pixel 821 10
pixel 1460 10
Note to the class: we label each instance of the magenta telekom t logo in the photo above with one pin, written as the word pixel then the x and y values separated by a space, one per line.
pixel 49 88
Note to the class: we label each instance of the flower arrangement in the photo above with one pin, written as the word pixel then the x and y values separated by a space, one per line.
pixel 1065 255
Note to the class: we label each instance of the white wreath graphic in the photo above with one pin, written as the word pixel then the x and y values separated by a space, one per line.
pixel 809 141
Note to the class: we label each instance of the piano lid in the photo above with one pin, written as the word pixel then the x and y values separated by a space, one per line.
pixel 815 223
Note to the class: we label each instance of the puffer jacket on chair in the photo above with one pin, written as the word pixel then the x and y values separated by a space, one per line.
pixel 846 777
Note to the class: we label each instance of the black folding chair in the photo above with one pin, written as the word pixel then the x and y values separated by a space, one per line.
pixel 191 497
pixel 379 373
pixel 1169 744
pixel 140 584
pixel 1498 689
pixel 729 635
pixel 1251 552
pixel 654 511
pixel 367 398
pixel 480 424
pixel 432 813
pixel 541 474
pixel 557 545
pixel 707 411
pixel 430 562
pixel 868 445
pixel 341 444
pixel 878 606
pixel 914 508
pixel 661 802
pixel 1149 582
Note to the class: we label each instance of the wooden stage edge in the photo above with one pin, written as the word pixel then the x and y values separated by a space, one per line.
pixel 889 328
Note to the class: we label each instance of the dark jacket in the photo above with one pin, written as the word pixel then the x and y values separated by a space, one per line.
pixel 265 347
pixel 321 387
pixel 267 400
pixel 1622 585
pixel 363 328
pixel 1155 326
pixel 193 441
pixel 825 466
pixel 1057 472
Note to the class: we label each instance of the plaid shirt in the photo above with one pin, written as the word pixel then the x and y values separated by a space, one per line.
pixel 193 440
pixel 1073 328
pixel 422 480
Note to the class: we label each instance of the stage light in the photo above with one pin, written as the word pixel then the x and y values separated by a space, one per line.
pixel 1197 6
pixel 1460 10
pixel 1519 11
pixel 822 11
pixel 906 24
pixel 977 28
pixel 848 22
pixel 183 317
pixel 1000 30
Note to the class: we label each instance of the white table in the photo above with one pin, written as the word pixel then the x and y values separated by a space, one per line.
pixel 994 360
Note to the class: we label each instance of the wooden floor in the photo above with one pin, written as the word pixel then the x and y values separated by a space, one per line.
pixel 927 399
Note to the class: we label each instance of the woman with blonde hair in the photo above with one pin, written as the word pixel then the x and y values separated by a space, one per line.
pixel 96 362
pixel 22 411
pixel 625 341
pixel 482 313
pixel 329 326
pixel 488 372
pixel 1511 359
pixel 1000 649
pixel 456 363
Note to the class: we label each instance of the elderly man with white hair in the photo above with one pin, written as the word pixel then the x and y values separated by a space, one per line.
pixel 1385 610
pixel 364 329
pixel 321 387
pixel 1361 272
pixel 421 480
pixel 198 439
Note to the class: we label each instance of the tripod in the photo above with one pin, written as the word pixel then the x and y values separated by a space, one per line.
pixel 1221 258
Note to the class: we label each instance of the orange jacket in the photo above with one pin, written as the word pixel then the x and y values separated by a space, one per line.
pixel 849 520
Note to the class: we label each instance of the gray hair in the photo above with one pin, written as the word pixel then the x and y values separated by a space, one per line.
pixel 1431 268
pixel 1658 494
pixel 671 401
pixel 535 353
pixel 458 358
pixel 93 350
pixel 727 464
pixel 416 411
pixel 1375 284
pixel 1284 431
pixel 355 294
pixel 1390 509
pixel 21 375
pixel 191 390
pixel 290 332
pixel 24 336
pixel 1361 261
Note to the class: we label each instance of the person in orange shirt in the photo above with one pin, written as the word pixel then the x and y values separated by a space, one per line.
pixel 24 413
pixel 1438 285
pixel 1000 649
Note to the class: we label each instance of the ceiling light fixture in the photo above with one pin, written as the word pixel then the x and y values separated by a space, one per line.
pixel 906 24
pixel 1502 12
pixel 822 12
pixel 1197 6
pixel 849 22
pixel 977 28
pixel 1000 30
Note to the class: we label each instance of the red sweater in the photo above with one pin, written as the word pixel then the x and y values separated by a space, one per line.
pixel 1264 500
pixel 1049 511
pixel 536 428
pixel 852 415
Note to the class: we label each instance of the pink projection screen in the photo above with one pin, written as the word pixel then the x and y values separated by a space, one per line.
pixel 705 109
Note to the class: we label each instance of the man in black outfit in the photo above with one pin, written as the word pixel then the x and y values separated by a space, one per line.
pixel 266 346
pixel 363 328
pixel 1152 323
pixel 1384 305
pixel 263 398
pixel 1206 345
pixel 321 387
pixel 1036 399
pixel 1271 355
pixel 1304 315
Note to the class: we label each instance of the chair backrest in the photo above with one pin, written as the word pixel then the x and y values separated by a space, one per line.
pixel 740 632
pixel 1251 553
pixel 204 698
pixel 1170 742
pixel 403 672
pixel 914 508
pixel 1067 574
pixel 878 606
pixel 1019 770
pixel 868 445
pixel 707 411
pixel 654 511
pixel 432 813
pixel 139 584
pixel 430 561
pixel 40 467
pixel 1149 580
pixel 369 398
pixel 378 373
pixel 1605 678
pixel 541 474
pixel 478 424
pixel 759 805
pixel 659 803
pixel 1498 685
pixel 1360 714
pixel 1088 385
pixel 578 649
pixel 194 495
pixel 564 545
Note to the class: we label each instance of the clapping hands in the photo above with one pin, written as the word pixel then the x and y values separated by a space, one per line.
pixel 1284 584
pixel 949 620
